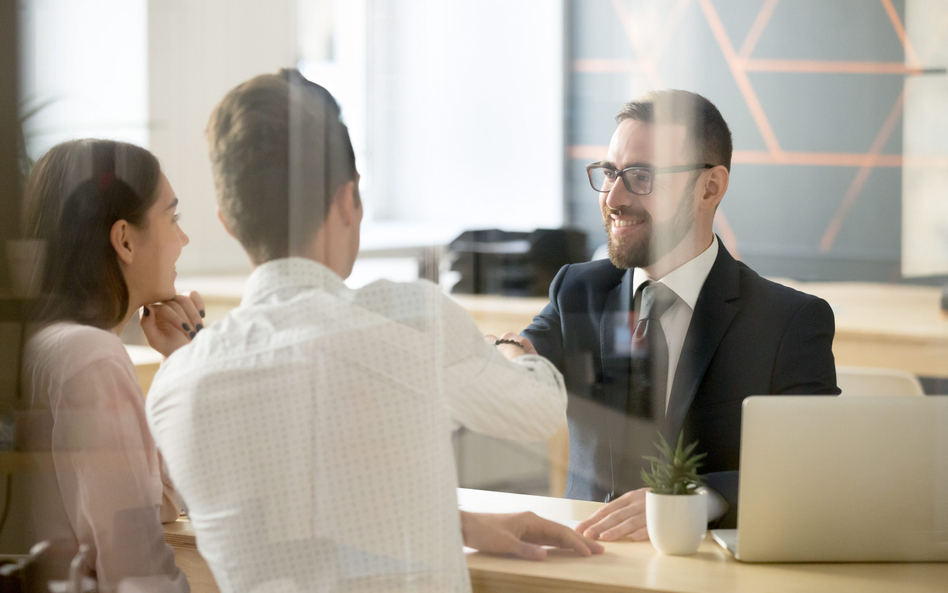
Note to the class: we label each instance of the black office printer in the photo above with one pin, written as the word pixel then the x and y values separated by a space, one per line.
pixel 513 263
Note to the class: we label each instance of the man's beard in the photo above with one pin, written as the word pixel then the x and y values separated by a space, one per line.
pixel 656 242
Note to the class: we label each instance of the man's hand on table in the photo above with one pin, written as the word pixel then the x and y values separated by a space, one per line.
pixel 624 517
pixel 521 534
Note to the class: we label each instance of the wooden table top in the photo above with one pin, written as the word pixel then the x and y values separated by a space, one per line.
pixel 901 311
pixel 636 566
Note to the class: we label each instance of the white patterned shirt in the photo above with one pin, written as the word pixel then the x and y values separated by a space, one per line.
pixel 309 431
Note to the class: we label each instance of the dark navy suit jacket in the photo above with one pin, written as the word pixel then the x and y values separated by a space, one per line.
pixel 748 336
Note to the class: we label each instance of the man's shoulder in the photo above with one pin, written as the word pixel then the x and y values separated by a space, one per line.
pixel 771 295
pixel 595 276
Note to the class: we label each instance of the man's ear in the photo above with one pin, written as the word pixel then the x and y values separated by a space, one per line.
pixel 120 236
pixel 220 217
pixel 714 187
pixel 345 201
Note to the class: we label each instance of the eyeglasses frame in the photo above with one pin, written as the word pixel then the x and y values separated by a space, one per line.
pixel 652 173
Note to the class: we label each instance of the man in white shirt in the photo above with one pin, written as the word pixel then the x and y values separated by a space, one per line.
pixel 671 333
pixel 309 431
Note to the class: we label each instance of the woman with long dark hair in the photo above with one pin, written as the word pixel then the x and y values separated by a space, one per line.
pixel 107 216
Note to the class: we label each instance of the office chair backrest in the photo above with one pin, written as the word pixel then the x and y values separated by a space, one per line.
pixel 865 381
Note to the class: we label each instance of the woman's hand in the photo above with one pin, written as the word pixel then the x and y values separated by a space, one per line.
pixel 521 534
pixel 168 325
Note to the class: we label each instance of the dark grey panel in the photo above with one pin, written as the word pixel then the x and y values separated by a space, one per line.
pixel 694 62
pixel 831 30
pixel 785 207
pixel 779 213
pixel 738 16
pixel 874 224
pixel 596 32
pixel 594 100
pixel 827 112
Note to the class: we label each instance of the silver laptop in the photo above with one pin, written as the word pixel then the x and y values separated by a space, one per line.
pixel 828 479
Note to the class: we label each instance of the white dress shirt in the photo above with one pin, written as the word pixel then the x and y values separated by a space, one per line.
pixel 686 281
pixel 309 431
pixel 108 489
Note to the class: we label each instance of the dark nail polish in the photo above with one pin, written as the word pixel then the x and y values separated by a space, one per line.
pixel 199 327
pixel 186 326
pixel 147 312
pixel 201 313
pixel 193 334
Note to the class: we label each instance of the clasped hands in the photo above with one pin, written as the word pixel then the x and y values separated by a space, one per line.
pixel 170 324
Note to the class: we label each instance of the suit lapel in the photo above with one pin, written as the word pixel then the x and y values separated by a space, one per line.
pixel 615 343
pixel 714 311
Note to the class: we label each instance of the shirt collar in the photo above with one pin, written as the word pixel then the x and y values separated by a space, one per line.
pixel 687 279
pixel 289 273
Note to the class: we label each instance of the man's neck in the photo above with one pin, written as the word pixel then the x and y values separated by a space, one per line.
pixel 328 248
pixel 684 252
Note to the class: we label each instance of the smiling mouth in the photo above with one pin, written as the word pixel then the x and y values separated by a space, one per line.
pixel 617 223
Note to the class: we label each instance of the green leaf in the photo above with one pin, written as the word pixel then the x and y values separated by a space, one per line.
pixel 674 471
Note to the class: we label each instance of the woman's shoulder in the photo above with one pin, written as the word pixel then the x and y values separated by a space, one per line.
pixel 74 346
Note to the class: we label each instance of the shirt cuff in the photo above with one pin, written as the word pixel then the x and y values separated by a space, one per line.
pixel 546 370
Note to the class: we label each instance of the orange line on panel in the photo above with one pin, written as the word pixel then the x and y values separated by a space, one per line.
pixel 855 188
pixel 743 83
pixel 818 159
pixel 588 153
pixel 910 56
pixel 594 65
pixel 664 37
pixel 760 23
pixel 727 233
pixel 836 224
pixel 829 67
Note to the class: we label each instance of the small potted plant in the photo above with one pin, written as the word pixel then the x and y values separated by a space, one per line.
pixel 676 509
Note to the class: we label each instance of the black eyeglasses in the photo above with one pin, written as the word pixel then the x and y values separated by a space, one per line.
pixel 638 180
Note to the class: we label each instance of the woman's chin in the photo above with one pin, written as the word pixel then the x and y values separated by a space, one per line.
pixel 165 294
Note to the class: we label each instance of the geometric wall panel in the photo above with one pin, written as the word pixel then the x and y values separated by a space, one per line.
pixel 813 91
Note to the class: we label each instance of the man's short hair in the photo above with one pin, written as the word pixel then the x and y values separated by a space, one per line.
pixel 707 131
pixel 279 153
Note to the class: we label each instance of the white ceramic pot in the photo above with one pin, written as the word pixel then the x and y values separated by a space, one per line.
pixel 676 523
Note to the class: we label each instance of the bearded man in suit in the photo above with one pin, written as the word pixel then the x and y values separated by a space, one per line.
pixel 671 333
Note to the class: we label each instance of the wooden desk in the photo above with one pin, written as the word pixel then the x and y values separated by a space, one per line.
pixel 887 325
pixel 630 566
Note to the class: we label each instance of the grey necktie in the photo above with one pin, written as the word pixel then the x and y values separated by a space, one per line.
pixel 649 377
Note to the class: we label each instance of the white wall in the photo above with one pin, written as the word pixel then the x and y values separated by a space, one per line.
pixel 90 59
pixel 456 108
pixel 199 50
pixel 925 128
pixel 466 111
